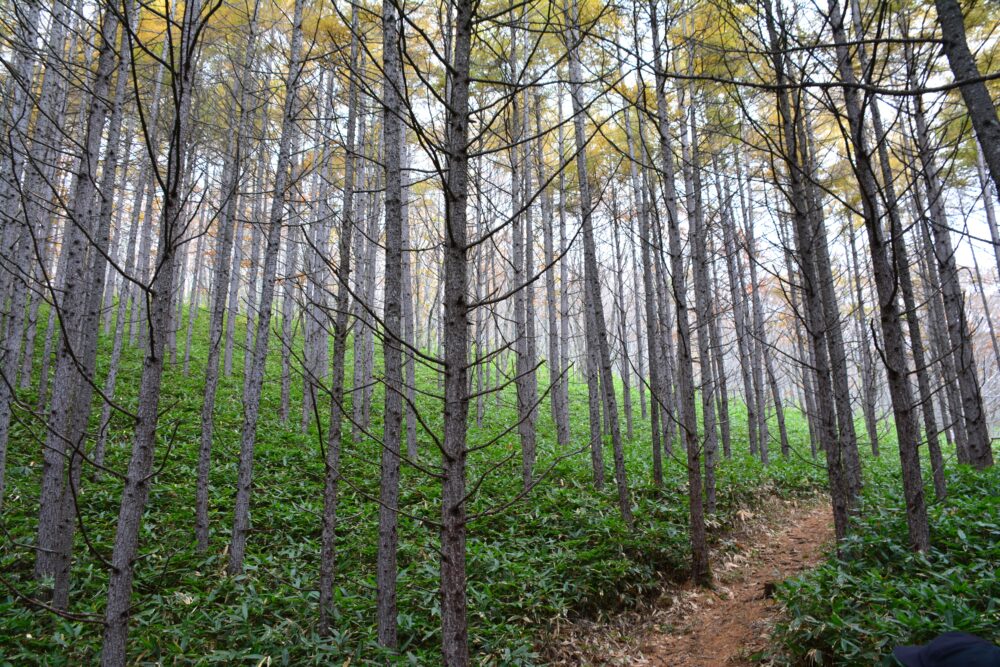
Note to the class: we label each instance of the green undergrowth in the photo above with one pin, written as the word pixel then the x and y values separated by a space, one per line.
pixel 878 594
pixel 560 552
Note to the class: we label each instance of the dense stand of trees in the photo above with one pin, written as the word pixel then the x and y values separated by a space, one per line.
pixel 685 205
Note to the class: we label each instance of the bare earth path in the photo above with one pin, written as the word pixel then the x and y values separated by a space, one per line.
pixel 725 626
pixel 720 627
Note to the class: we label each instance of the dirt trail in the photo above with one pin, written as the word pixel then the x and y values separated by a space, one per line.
pixel 719 627
pixel 724 627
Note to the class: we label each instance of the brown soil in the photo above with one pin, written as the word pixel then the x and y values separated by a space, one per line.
pixel 720 627
pixel 725 626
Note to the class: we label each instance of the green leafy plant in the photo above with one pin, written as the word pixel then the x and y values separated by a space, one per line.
pixel 877 594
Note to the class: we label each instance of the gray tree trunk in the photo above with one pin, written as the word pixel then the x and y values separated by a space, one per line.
pixel 194 300
pixel 687 418
pixel 98 269
pixel 138 477
pixel 78 308
pixel 977 434
pixel 454 625
pixel 894 354
pixel 942 349
pixel 564 315
pixel 982 110
pixel 253 383
pixel 331 472
pixel 595 404
pixel 590 263
pixel 901 266
pixel 14 246
pixel 658 393
pixel 520 201
pixel 393 140
pixel 638 324
pixel 621 316
pixel 737 291
pixel 233 291
pixel 719 361
pixel 288 308
pixel 232 173
pixel 813 308
pixel 702 298
pixel 868 398
pixel 831 309
pixel 557 399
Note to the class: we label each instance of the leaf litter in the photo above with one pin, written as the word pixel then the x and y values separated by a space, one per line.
pixel 728 625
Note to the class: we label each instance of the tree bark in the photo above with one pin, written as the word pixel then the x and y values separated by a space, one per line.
pixel 393 140
pixel 557 398
pixel 78 309
pixel 331 459
pixel 813 315
pixel 231 178
pixel 254 380
pixel 977 434
pixel 982 110
pixel 886 282
pixel 656 387
pixel 590 263
pixel 138 478
pixel 702 297
pixel 454 625
pixel 687 419
pixel 868 399
pixel 737 290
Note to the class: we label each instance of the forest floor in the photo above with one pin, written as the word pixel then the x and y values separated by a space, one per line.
pixel 727 625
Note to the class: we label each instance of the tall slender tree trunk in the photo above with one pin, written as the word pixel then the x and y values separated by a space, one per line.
pixel 15 221
pixel 194 300
pixel 564 363
pixel 331 458
pixel 982 109
pixel 868 402
pixel 595 404
pixel 977 434
pixel 454 625
pixel 530 338
pixel 520 202
pixel 901 265
pixel 590 263
pixel 886 283
pixel 841 497
pixel 719 361
pixel 557 398
pixel 78 308
pixel 658 392
pixel 406 293
pixel 831 309
pixel 138 478
pixel 254 381
pixel 620 314
pixel 687 418
pixel 221 280
pixel 941 345
pixel 392 147
pixel 637 312
pixel 702 298
pixel 737 290
pixel 765 353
